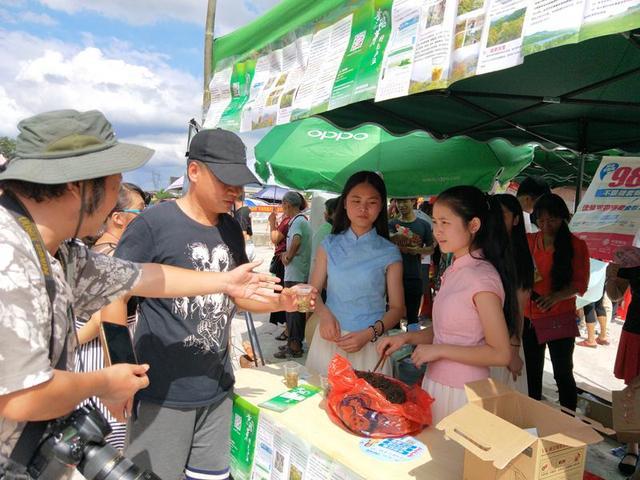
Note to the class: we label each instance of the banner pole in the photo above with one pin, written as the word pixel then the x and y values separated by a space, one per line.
pixel 584 125
pixel 208 56
pixel 579 182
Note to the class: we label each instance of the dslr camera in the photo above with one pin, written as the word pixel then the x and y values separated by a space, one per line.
pixel 78 440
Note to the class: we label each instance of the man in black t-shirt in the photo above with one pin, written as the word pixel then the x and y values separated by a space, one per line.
pixel 183 418
pixel 414 237
pixel 242 214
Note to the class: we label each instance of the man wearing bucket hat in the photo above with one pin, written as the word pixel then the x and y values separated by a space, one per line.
pixel 183 418
pixel 62 183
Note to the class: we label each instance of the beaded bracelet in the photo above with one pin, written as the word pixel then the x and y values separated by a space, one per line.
pixel 375 334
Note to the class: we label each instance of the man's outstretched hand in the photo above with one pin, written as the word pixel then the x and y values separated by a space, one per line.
pixel 243 282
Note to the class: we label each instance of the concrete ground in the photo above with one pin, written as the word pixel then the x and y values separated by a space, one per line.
pixel 593 371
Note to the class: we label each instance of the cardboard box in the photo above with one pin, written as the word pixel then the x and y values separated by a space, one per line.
pixel 508 435
pixel 626 413
pixel 596 409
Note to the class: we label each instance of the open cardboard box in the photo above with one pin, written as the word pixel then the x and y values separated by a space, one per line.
pixel 626 413
pixel 508 435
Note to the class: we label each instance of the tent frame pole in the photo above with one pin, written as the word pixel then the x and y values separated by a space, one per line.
pixel 560 99
pixel 584 126
pixel 504 118
pixel 208 56
pixel 540 102
pixel 579 182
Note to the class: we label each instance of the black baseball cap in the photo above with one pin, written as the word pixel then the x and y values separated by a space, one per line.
pixel 225 155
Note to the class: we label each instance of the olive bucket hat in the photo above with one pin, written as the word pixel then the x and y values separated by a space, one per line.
pixel 68 146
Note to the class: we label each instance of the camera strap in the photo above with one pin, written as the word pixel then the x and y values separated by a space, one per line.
pixel 33 431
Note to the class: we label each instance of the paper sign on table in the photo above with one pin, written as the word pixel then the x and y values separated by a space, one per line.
pixel 402 449
pixel 290 398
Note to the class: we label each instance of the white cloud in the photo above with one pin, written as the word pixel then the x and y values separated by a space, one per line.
pixel 37 18
pixel 10 113
pixel 170 147
pixel 14 3
pixel 136 91
pixel 233 14
pixel 168 159
pixel 12 17
pixel 230 14
pixel 137 12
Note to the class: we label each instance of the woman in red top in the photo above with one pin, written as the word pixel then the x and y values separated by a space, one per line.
pixel 561 272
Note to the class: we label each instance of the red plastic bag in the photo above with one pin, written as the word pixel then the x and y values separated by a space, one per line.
pixel 354 404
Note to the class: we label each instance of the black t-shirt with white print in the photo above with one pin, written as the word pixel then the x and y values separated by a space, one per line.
pixel 184 340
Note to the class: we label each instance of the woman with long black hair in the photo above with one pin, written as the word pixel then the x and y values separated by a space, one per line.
pixel 513 216
pixel 362 270
pixel 561 272
pixel 132 200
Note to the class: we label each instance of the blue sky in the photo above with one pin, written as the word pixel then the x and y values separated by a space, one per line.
pixel 139 61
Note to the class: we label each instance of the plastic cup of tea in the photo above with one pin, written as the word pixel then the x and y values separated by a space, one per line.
pixel 303 295
pixel 291 374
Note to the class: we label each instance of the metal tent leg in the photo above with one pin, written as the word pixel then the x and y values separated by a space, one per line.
pixel 253 339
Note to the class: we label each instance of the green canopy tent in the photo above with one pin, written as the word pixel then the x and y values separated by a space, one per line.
pixel 559 168
pixel 584 97
pixel 577 89
pixel 575 86
pixel 314 155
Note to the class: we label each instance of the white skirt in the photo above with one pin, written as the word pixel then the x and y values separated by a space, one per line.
pixel 446 399
pixel 503 375
pixel 322 351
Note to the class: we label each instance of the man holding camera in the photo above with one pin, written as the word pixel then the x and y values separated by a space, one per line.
pixel 62 183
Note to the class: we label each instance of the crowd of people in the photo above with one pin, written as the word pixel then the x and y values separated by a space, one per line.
pixel 184 262
pixel 504 271
pixel 474 280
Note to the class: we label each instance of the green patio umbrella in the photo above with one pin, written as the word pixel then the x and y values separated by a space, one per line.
pixel 314 154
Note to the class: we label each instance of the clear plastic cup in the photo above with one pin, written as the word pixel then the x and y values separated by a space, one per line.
pixel 303 294
pixel 291 374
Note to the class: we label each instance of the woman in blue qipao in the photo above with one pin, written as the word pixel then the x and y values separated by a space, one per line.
pixel 362 271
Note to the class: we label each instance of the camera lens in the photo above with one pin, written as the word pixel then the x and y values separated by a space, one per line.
pixel 106 463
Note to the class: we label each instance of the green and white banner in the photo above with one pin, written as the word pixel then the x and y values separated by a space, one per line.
pixel 308 56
